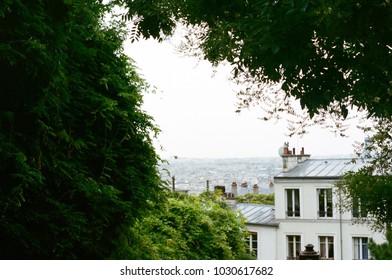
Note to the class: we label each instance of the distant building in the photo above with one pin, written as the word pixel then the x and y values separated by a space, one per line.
pixel 305 212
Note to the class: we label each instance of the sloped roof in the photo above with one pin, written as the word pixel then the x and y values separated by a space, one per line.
pixel 258 214
pixel 322 169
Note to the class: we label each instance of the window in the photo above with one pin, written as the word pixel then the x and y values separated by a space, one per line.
pixel 293 246
pixel 326 247
pixel 360 248
pixel 357 211
pixel 293 206
pixel 252 242
pixel 325 203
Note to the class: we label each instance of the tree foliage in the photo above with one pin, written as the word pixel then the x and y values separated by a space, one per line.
pixel 256 198
pixel 330 54
pixel 77 165
pixel 382 251
pixel 191 227
pixel 371 187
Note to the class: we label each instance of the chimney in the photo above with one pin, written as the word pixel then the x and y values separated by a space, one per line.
pixel 290 159
pixel 271 182
pixel 255 189
pixel 234 188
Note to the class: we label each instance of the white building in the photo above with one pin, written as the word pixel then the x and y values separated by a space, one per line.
pixel 260 220
pixel 306 212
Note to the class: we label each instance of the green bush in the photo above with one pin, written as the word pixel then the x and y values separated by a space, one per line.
pixel 257 198
pixel 191 227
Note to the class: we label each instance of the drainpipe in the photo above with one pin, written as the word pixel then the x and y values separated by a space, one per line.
pixel 341 226
pixel 341 235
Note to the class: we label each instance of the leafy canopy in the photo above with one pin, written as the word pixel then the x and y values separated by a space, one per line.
pixel 371 187
pixel 77 165
pixel 330 54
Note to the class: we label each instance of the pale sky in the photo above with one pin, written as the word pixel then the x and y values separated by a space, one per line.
pixel 196 112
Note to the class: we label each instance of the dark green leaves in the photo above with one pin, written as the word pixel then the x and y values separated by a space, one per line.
pixel 382 251
pixel 76 160
pixel 326 52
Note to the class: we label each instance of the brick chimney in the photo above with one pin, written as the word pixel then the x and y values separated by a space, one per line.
pixel 290 158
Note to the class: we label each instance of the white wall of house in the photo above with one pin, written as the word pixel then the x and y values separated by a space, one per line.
pixel 311 230
pixel 318 221
pixel 267 242
pixel 308 198
pixel 309 226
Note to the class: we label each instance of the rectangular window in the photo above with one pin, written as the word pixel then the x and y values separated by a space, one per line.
pixel 292 203
pixel 360 248
pixel 326 247
pixel 325 203
pixel 252 243
pixel 293 246
pixel 357 211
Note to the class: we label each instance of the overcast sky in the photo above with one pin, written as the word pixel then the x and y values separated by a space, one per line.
pixel 196 112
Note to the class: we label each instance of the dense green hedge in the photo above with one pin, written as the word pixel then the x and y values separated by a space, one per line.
pixel 77 166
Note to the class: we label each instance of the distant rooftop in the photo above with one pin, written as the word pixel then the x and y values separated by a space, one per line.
pixel 331 168
pixel 257 214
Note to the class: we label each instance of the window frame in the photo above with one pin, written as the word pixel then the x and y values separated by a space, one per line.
pixel 296 244
pixel 358 248
pixel 252 241
pixel 357 211
pixel 292 198
pixel 327 243
pixel 325 203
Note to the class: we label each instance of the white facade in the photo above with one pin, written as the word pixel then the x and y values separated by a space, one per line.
pixel 266 241
pixel 310 227
pixel 263 228
pixel 306 212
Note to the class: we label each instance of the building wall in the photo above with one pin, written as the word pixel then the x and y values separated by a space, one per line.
pixel 309 226
pixel 267 242
pixel 310 230
pixel 308 198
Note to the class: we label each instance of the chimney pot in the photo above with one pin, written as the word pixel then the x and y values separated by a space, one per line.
pixel 234 188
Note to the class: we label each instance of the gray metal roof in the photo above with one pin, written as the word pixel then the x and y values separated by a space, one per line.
pixel 258 214
pixel 322 168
